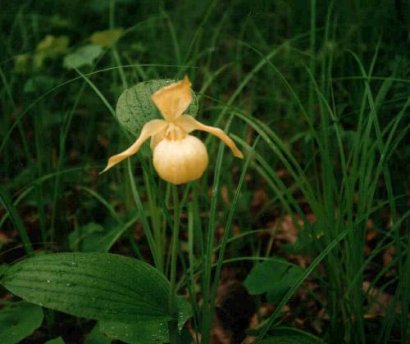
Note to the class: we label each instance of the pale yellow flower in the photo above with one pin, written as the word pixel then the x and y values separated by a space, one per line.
pixel 178 157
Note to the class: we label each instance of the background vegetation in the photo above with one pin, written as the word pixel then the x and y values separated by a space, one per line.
pixel 316 94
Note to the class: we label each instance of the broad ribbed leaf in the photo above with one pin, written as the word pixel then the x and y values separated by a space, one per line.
pixel 98 286
pixel 96 336
pixel 135 107
pixel 146 331
pixel 139 332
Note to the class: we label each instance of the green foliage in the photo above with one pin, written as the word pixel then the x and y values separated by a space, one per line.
pixel 284 335
pixel 91 285
pixel 318 103
pixel 84 238
pixel 39 84
pixel 84 56
pixel 273 277
pixel 18 321
pixel 137 332
pixel 184 311
pixel 57 340
pixel 96 337
pixel 94 237
pixel 50 48
pixel 129 297
pixel 135 107
pixel 106 38
pixel 5 200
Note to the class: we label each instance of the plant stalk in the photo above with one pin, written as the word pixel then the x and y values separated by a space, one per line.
pixel 172 300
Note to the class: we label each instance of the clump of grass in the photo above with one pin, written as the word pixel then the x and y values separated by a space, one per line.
pixel 322 98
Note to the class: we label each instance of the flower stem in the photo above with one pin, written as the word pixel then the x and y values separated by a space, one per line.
pixel 172 300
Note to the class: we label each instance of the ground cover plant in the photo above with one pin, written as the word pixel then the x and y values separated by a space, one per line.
pixel 270 203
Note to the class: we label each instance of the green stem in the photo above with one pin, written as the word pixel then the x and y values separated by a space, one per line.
pixel 207 308
pixel 143 218
pixel 15 218
pixel 172 300
pixel 312 47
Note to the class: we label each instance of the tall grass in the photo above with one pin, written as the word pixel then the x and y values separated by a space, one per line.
pixel 323 98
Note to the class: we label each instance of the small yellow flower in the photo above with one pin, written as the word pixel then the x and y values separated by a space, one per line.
pixel 178 156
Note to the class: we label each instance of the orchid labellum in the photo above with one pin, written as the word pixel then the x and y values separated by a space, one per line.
pixel 178 156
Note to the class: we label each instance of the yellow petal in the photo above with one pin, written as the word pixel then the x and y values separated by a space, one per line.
pixel 148 130
pixel 188 124
pixel 174 99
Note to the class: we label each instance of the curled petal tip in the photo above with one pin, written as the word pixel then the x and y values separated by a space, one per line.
pixel 110 164
pixel 235 150
pixel 238 154
pixel 114 160
pixel 103 171
pixel 186 81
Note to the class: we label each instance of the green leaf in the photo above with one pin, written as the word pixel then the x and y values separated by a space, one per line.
pixel 18 321
pixel 106 38
pixel 49 48
pixel 139 332
pixel 97 337
pixel 39 84
pixel 84 238
pixel 146 331
pixel 52 46
pixel 273 277
pixel 83 56
pixel 57 340
pixel 99 286
pixel 135 107
pixel 108 239
pixel 96 238
pixel 3 269
pixel 184 311
pixel 287 335
pixel 22 63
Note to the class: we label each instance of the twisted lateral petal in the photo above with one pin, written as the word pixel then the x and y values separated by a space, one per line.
pixel 173 99
pixel 148 130
pixel 188 124
pixel 155 139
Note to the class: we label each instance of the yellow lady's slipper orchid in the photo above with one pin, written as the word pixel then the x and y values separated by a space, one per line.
pixel 178 156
